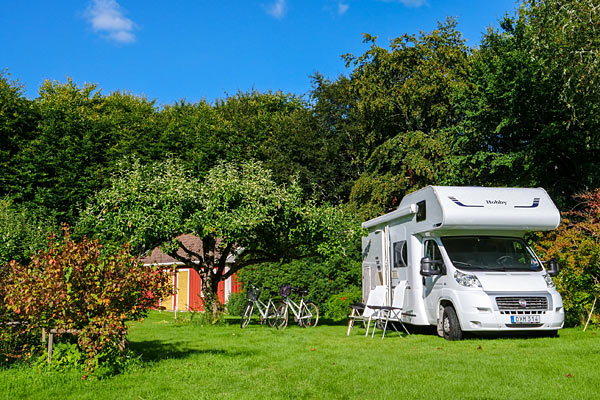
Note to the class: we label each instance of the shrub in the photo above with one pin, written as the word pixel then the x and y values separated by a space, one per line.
pixel 17 341
pixel 576 246
pixel 74 286
pixel 65 355
pixel 236 303
pixel 338 305
pixel 322 278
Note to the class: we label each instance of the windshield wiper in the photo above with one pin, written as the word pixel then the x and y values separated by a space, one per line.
pixel 468 265
pixel 509 268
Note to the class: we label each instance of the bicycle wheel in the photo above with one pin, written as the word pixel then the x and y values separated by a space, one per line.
pixel 272 315
pixel 247 314
pixel 282 316
pixel 309 315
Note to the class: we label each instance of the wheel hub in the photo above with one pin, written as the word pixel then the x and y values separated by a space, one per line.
pixel 446 324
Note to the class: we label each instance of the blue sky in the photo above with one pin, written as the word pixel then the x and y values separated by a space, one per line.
pixel 193 50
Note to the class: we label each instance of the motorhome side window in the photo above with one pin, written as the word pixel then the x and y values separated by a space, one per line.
pixel 433 252
pixel 400 254
pixel 421 211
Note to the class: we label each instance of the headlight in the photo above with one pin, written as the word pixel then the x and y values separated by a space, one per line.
pixel 467 280
pixel 549 281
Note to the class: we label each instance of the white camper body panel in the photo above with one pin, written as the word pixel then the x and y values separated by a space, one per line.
pixel 396 242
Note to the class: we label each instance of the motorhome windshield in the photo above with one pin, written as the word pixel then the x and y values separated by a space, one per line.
pixel 490 253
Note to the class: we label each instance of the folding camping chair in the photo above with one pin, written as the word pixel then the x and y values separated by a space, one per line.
pixel 364 312
pixel 385 314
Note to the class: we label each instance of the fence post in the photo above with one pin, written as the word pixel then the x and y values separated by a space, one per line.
pixel 50 343
pixel 591 312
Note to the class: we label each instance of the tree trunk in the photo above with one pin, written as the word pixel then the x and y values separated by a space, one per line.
pixel 210 286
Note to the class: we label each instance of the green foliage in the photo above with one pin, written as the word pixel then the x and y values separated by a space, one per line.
pixel 322 277
pixel 576 246
pixel 337 118
pixel 202 318
pixel 65 143
pixel 564 36
pixel 250 119
pixel 194 133
pixel 281 131
pixel 78 286
pixel 402 164
pixel 236 304
pixel 65 355
pixel 237 209
pixel 57 169
pixel 18 117
pixel 22 232
pixel 401 101
pixel 145 205
pixel 411 86
pixel 338 305
pixel 531 118
pixel 128 125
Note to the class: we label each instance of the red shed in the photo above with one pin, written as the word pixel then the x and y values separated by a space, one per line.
pixel 186 282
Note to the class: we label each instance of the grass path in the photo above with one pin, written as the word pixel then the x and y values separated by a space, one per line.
pixel 189 361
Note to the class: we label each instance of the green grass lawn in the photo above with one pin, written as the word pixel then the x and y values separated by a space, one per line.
pixel 189 361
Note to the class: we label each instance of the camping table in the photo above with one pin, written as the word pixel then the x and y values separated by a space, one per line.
pixel 382 313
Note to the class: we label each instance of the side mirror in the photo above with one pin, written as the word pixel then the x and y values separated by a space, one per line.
pixel 427 270
pixel 552 267
pixel 426 266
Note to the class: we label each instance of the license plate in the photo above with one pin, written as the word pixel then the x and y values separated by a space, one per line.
pixel 525 319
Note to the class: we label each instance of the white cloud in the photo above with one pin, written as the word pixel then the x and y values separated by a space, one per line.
pixel 122 36
pixel 342 8
pixel 108 20
pixel 408 3
pixel 277 9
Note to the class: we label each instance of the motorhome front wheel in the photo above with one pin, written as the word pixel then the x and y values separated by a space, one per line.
pixel 450 324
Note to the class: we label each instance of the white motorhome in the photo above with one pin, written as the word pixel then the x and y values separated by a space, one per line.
pixel 459 257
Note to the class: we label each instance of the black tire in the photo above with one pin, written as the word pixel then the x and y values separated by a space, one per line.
pixel 247 314
pixel 309 316
pixel 272 316
pixel 450 324
pixel 282 316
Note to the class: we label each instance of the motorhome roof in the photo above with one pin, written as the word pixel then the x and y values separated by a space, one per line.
pixel 494 209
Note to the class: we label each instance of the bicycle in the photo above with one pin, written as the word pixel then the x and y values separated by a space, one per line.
pixel 268 312
pixel 306 313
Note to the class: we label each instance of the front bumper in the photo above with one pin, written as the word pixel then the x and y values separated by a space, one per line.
pixel 480 312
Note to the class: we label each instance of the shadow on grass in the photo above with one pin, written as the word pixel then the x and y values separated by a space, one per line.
pixel 156 350
pixel 235 321
pixel 512 335
pixel 333 322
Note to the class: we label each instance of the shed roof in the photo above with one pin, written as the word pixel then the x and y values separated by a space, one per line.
pixel 191 242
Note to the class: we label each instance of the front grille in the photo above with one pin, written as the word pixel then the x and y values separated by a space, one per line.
pixel 515 303
pixel 519 312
